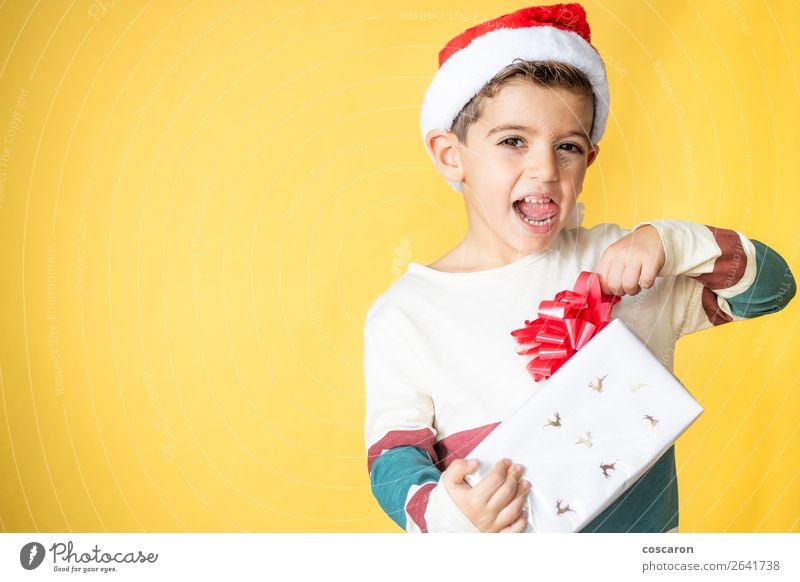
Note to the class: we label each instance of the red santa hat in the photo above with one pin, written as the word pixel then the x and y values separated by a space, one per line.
pixel 470 60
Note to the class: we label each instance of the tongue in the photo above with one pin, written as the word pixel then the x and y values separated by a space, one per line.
pixel 537 211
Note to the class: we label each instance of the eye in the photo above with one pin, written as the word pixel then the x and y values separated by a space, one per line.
pixel 507 142
pixel 571 147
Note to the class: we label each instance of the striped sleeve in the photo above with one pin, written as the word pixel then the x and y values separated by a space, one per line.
pixel 399 432
pixel 721 275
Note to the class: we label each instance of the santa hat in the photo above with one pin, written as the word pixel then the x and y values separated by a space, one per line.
pixel 470 60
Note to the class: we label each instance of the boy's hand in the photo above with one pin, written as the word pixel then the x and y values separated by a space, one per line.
pixel 493 505
pixel 632 263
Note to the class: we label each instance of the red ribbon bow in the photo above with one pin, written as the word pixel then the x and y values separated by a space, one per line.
pixel 564 325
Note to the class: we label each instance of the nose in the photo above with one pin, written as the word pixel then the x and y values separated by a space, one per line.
pixel 542 163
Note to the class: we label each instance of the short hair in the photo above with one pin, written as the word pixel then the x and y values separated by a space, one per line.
pixel 543 73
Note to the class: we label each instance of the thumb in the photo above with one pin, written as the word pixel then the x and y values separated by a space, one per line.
pixel 459 469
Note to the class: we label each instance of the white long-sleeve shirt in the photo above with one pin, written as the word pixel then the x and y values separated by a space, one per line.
pixel 442 369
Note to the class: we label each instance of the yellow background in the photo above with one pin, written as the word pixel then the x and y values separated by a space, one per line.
pixel 200 200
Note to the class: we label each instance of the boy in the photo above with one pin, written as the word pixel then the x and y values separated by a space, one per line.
pixel 512 120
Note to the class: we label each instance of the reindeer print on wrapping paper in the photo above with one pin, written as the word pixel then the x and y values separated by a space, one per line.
pixel 597 385
pixel 585 440
pixel 653 421
pixel 636 384
pixel 605 468
pixel 560 510
pixel 556 422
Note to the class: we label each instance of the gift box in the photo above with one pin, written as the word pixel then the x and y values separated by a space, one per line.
pixel 607 413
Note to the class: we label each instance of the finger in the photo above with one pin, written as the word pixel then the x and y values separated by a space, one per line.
pixel 494 479
pixel 511 511
pixel 614 280
pixel 514 510
pixel 507 490
pixel 630 278
pixel 602 270
pixel 647 278
pixel 518 526
pixel 457 471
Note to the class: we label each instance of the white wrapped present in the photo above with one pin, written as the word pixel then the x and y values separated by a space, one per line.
pixel 605 417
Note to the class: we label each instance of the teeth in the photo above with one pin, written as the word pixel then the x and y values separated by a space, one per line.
pixel 535 222
pixel 531 200
pixel 538 222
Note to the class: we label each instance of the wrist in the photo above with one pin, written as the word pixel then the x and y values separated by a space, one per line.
pixel 444 515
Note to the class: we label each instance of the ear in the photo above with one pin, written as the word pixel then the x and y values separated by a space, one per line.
pixel 445 149
pixel 595 151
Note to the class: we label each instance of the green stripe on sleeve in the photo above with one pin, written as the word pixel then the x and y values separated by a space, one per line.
pixel 393 474
pixel 773 288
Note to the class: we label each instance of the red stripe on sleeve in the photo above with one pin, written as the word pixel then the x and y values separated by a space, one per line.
pixel 711 307
pixel 421 438
pixel 458 445
pixel 418 504
pixel 730 265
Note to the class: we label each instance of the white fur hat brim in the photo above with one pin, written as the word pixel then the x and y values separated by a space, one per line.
pixel 466 71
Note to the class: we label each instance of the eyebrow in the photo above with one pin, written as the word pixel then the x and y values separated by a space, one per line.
pixel 506 127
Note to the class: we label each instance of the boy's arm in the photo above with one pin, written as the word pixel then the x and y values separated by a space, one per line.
pixel 407 486
pixel 399 431
pixel 732 277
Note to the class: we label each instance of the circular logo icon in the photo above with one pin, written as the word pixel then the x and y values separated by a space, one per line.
pixel 31 555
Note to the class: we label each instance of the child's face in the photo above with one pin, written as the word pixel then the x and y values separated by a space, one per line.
pixel 544 157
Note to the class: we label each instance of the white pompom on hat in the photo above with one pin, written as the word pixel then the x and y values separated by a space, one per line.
pixel 470 60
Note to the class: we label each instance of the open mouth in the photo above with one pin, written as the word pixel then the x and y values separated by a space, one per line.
pixel 540 212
